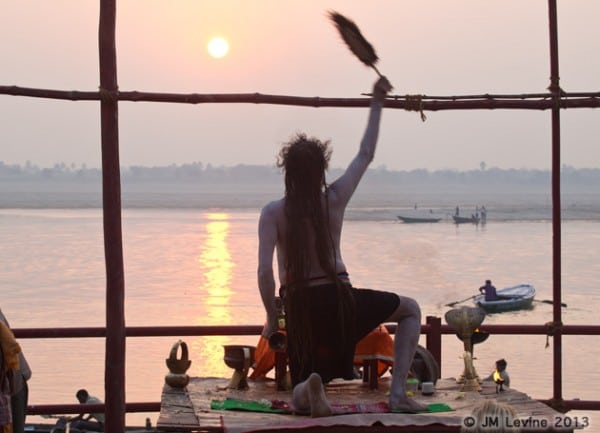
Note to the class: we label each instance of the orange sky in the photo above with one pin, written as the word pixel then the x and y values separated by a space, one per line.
pixel 433 47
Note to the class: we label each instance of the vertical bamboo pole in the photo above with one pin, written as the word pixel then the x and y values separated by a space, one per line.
pixel 556 206
pixel 114 373
pixel 434 339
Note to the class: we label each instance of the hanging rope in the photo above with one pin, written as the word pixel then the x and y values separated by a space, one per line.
pixel 551 329
pixel 415 103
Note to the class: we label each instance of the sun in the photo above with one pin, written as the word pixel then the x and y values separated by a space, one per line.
pixel 218 47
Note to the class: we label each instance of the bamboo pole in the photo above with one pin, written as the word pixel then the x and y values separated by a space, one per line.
pixel 556 207
pixel 114 371
pixel 255 330
pixel 535 101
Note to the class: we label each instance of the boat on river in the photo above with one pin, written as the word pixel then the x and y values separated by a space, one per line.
pixel 463 220
pixel 413 220
pixel 519 297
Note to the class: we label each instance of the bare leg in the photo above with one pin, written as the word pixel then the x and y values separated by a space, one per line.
pixel 310 396
pixel 406 339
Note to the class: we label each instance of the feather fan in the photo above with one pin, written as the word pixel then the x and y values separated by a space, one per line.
pixel 357 43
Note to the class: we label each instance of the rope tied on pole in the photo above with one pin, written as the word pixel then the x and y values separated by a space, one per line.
pixel 557 94
pixel 109 96
pixel 415 103
pixel 551 329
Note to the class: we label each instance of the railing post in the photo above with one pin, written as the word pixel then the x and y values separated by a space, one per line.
pixel 434 339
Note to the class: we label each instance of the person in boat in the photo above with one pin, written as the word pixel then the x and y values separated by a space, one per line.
pixel 325 315
pixel 91 421
pixel 491 293
pixel 20 394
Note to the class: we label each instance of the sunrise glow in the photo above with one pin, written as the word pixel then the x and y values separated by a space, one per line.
pixel 218 47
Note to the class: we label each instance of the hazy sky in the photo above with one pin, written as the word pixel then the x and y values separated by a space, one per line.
pixel 289 47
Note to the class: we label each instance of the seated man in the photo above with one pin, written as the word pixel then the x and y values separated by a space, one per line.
pixel 489 291
pixel 91 421
pixel 303 229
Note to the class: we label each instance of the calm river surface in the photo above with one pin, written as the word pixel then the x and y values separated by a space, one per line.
pixel 198 267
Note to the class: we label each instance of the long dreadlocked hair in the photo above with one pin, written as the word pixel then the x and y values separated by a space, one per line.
pixel 304 161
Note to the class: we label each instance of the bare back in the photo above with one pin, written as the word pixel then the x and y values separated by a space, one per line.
pixel 273 222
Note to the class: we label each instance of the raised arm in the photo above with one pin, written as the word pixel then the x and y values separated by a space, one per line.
pixel 343 188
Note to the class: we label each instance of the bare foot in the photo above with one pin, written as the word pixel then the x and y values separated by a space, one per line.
pixel 406 404
pixel 319 406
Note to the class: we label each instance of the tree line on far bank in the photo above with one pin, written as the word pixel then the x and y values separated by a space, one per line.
pixel 588 178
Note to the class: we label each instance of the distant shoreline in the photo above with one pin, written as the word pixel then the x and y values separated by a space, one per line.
pixel 372 201
pixel 508 194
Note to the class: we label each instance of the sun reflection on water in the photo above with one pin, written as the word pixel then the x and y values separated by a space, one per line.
pixel 216 266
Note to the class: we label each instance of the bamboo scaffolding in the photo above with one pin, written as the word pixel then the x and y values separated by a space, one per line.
pixel 109 97
pixel 433 330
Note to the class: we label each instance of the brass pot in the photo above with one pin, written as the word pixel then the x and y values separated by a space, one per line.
pixel 181 365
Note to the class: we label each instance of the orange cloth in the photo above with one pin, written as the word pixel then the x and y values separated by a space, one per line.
pixel 10 361
pixel 264 359
pixel 10 348
pixel 377 342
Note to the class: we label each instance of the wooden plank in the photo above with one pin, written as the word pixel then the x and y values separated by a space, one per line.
pixel 189 409
pixel 176 411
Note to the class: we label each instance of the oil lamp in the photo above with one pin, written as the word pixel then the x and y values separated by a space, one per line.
pixel 500 375
pixel 466 322
pixel 499 381
pixel 177 378
pixel 240 358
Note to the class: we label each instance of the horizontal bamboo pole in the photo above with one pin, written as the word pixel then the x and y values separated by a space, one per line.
pixel 168 331
pixel 53 409
pixel 536 101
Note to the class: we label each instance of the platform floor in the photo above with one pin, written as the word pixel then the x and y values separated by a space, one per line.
pixel 189 409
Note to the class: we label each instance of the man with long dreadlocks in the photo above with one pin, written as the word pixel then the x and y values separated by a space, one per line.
pixel 325 315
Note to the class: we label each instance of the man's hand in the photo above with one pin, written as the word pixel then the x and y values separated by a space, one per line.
pixel 381 88
pixel 270 328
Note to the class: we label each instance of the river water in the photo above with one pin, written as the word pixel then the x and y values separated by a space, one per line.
pixel 197 266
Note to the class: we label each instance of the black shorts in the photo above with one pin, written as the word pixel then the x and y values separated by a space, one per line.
pixel 373 307
pixel 329 357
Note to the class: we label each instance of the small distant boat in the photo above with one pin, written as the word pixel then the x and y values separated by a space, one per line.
pixel 412 220
pixel 519 297
pixel 462 220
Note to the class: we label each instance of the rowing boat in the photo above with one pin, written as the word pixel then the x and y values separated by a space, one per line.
pixel 412 220
pixel 517 297
pixel 462 220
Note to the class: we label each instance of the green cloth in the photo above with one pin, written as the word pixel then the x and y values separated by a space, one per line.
pixel 247 405
pixel 270 407
pixel 431 408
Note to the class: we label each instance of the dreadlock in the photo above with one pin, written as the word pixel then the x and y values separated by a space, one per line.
pixel 305 161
